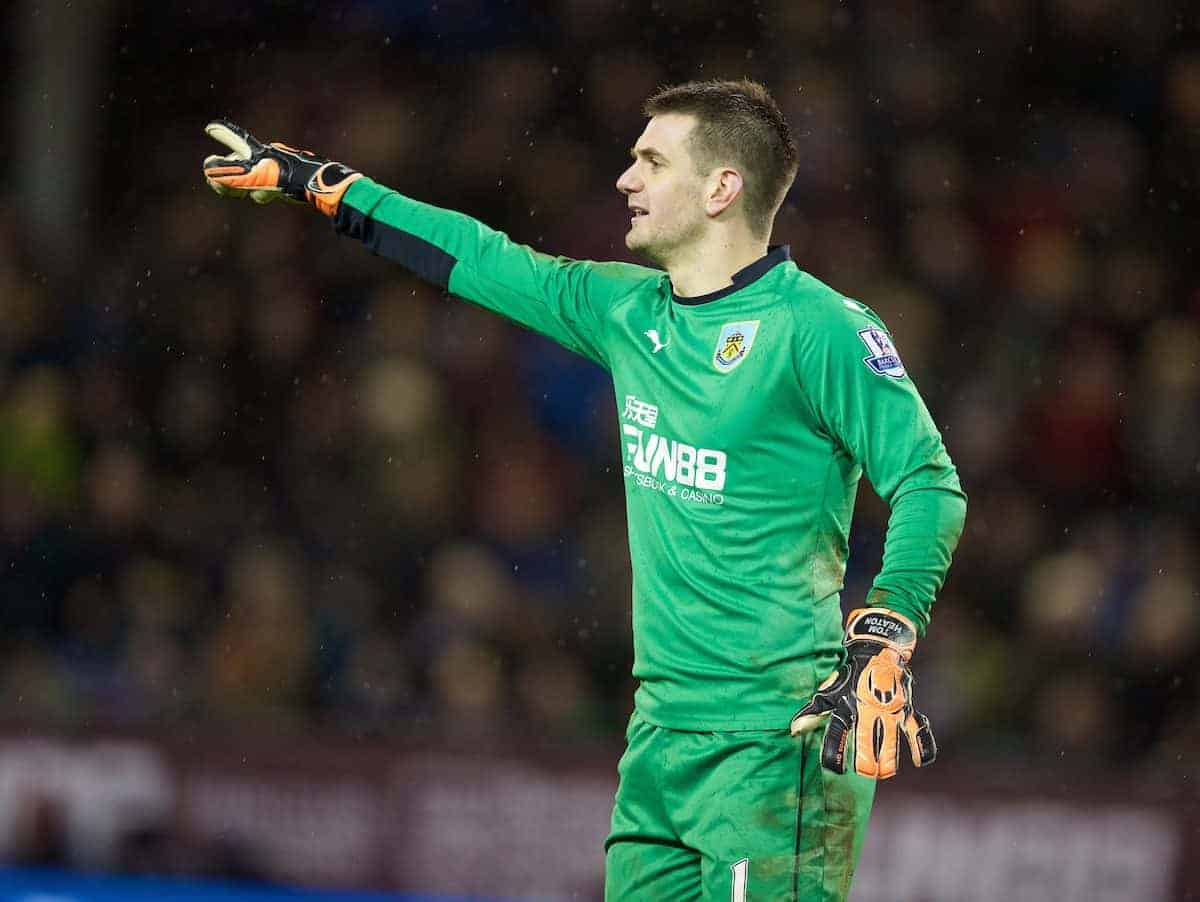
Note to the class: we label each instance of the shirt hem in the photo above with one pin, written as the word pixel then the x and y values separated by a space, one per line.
pixel 706 725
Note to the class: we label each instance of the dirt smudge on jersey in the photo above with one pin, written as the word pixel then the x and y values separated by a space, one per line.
pixel 828 566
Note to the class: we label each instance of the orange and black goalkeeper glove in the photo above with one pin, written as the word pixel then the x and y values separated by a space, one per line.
pixel 868 700
pixel 267 172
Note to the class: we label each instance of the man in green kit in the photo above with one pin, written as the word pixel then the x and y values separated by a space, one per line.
pixel 751 399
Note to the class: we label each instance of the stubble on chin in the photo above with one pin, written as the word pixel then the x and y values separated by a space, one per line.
pixel 635 244
pixel 648 254
pixel 645 249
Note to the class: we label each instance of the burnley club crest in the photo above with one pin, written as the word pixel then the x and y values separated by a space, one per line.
pixel 733 344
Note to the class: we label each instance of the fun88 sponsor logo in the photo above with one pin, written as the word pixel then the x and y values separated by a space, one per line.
pixel 657 457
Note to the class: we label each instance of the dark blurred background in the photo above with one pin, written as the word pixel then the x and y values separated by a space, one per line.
pixel 254 481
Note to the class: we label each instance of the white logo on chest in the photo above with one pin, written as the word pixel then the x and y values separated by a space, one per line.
pixel 652 334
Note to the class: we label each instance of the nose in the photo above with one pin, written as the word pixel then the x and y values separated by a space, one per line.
pixel 628 182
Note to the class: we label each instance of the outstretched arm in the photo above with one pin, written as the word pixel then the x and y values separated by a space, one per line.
pixel 565 300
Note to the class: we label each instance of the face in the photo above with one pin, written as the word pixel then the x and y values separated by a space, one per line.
pixel 666 196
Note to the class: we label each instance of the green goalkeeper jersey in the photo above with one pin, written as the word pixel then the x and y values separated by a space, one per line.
pixel 747 417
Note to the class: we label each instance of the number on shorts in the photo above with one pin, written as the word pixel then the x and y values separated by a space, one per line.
pixel 741 870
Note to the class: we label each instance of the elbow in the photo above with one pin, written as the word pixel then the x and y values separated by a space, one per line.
pixel 958 518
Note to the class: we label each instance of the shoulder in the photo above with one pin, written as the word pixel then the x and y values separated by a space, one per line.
pixel 626 272
pixel 610 281
pixel 830 325
pixel 613 271
pixel 626 279
pixel 818 306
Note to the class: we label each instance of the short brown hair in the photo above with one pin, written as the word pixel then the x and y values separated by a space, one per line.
pixel 738 123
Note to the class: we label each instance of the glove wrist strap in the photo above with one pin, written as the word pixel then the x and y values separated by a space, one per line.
pixel 883 626
pixel 326 186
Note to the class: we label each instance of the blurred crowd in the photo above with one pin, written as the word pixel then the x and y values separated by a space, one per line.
pixel 253 478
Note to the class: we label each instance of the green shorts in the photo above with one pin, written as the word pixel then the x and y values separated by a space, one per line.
pixel 732 817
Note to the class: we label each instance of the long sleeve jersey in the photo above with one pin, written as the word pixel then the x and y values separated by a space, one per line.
pixel 746 419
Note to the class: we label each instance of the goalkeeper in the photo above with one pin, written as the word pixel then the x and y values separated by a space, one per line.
pixel 751 399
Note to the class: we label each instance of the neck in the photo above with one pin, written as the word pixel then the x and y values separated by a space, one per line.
pixel 709 264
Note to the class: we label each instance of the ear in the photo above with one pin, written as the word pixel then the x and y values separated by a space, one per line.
pixel 723 188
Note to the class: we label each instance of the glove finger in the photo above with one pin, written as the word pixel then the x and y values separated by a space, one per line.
pixel 867 743
pixel 215 168
pixel 221 173
pixel 806 721
pixel 919 735
pixel 243 144
pixel 221 185
pixel 263 175
pixel 834 746
pixel 226 191
pixel 813 715
pixel 887 747
pixel 823 701
pixel 217 162
pixel 266 195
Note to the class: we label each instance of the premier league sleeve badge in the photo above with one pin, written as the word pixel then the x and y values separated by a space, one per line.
pixel 884 360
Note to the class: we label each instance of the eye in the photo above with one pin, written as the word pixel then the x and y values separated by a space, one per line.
pixel 655 164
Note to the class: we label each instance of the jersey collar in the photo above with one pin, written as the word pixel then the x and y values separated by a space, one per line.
pixel 776 254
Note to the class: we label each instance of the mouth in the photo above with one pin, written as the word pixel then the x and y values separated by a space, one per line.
pixel 636 213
